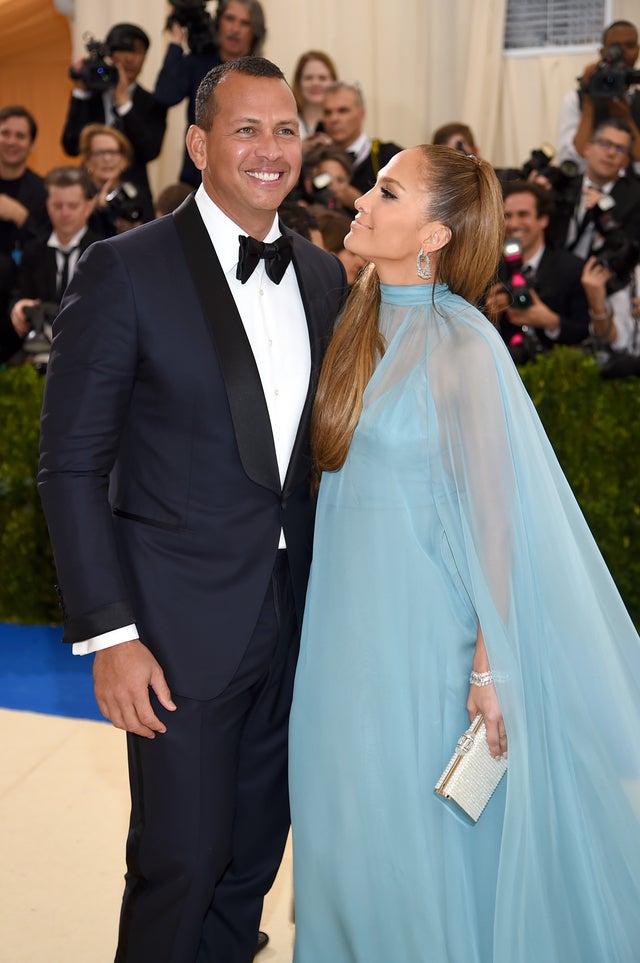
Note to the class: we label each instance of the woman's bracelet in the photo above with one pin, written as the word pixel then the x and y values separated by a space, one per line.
pixel 481 678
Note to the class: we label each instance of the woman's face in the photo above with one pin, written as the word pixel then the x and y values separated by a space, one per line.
pixel 105 161
pixel 337 173
pixel 392 222
pixel 314 80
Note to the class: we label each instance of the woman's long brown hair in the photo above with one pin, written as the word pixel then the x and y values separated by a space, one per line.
pixel 465 195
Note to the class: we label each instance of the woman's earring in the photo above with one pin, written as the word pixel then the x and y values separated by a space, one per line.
pixel 423 265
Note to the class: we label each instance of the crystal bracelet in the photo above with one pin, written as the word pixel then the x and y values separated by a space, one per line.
pixel 481 678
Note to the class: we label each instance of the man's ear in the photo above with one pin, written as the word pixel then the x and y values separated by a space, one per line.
pixel 196 141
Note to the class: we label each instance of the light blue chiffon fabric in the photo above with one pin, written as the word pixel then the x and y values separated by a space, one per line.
pixel 451 507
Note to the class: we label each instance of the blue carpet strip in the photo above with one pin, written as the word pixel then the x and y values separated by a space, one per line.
pixel 38 673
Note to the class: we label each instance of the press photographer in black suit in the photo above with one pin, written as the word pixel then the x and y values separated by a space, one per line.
pixel 127 106
pixel 602 196
pixel 48 263
pixel 558 313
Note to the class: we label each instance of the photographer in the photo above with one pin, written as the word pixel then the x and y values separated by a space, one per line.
pixel 106 156
pixel 557 308
pixel 614 316
pixel 326 176
pixel 48 264
pixel 124 105
pixel 237 30
pixel 585 109
pixel 603 207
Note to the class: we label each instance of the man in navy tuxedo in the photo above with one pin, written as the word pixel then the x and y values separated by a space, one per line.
pixel 174 476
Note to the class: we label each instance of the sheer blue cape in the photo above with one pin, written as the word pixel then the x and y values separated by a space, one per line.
pixel 450 478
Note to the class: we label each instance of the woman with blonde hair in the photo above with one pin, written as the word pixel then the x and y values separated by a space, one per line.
pixel 313 73
pixel 106 154
pixel 453 576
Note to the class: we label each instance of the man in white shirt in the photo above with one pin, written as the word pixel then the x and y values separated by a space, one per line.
pixel 581 113
pixel 182 374
pixel 602 194
pixel 47 264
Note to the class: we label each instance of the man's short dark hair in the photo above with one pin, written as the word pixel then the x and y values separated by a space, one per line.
pixel 616 23
pixel 544 201
pixel 618 123
pixel 16 110
pixel 206 107
pixel 256 15
pixel 123 36
pixel 69 177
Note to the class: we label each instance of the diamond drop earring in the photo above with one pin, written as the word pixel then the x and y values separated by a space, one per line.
pixel 423 265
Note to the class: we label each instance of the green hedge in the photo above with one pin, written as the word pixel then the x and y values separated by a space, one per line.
pixel 593 426
pixel 27 574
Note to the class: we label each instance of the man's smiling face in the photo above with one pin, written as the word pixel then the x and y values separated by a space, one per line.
pixel 250 158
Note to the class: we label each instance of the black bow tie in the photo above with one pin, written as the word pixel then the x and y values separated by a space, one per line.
pixel 277 257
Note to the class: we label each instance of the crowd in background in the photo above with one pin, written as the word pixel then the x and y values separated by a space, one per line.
pixel 570 273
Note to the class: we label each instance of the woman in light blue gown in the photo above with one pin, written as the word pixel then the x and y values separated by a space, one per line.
pixel 448 540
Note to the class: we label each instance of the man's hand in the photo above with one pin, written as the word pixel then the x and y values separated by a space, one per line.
pixel 537 316
pixel 12 210
pixel 19 319
pixel 122 675
pixel 594 281
pixel 177 33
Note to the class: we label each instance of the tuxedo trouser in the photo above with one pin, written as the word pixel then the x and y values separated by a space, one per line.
pixel 210 806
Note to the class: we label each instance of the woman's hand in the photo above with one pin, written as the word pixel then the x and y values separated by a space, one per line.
pixel 483 699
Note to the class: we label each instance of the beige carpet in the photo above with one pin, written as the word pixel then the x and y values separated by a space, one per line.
pixel 63 813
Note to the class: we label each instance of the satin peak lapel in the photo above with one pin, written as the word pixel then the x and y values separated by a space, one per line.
pixel 249 413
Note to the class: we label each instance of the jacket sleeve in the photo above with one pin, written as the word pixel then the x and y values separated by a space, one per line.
pixel 90 377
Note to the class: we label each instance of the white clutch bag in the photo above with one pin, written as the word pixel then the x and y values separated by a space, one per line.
pixel 472 774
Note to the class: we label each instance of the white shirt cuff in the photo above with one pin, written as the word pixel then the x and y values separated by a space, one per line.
pixel 125 634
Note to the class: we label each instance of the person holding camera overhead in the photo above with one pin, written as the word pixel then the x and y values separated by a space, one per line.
pixel 585 109
pixel 123 105
pixel 237 30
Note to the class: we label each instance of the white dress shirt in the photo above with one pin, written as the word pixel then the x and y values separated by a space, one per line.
pixel 73 245
pixel 275 323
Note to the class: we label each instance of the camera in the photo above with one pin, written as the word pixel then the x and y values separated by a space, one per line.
pixel 37 343
pixel 614 249
pixel 561 178
pixel 321 190
pixel 517 285
pixel 96 73
pixel 193 15
pixel 123 203
pixel 612 76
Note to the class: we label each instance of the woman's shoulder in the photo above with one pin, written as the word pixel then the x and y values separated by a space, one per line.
pixel 465 330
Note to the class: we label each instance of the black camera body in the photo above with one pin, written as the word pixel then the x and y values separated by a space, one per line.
pixel 612 76
pixel 123 203
pixel 37 343
pixel 561 177
pixel 193 15
pixel 96 73
pixel 321 190
pixel 614 250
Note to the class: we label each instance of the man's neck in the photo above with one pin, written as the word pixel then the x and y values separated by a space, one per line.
pixel 600 181
pixel 531 252
pixel 11 172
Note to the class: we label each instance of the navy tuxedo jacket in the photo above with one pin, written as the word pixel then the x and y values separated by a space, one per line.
pixel 153 391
